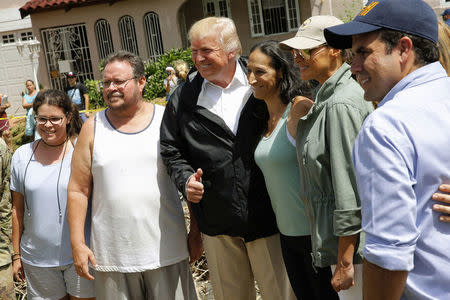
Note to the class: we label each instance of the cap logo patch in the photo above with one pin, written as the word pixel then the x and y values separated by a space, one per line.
pixel 368 8
pixel 306 23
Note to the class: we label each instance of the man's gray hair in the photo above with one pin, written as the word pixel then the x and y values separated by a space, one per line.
pixel 221 27
pixel 134 60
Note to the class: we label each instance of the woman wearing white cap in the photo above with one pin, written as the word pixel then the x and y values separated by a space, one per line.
pixel 324 141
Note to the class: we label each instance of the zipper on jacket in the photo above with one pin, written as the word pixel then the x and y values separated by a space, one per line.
pixel 312 263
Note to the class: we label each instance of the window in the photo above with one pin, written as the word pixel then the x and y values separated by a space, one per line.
pixel 273 16
pixel 153 34
pixel 127 32
pixel 66 44
pixel 104 38
pixel 217 8
pixel 26 36
pixel 8 38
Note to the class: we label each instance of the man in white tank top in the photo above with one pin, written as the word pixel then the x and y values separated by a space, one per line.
pixel 138 237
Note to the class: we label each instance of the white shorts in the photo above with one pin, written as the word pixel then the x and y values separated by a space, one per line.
pixel 56 282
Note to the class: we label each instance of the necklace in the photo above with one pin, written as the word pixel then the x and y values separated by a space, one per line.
pixel 53 145
pixel 57 181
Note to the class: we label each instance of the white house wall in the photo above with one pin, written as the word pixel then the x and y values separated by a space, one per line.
pixel 14 69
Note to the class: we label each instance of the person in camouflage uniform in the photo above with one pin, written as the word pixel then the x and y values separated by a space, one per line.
pixel 6 253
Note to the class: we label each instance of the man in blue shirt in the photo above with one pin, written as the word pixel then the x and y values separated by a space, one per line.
pixel 401 153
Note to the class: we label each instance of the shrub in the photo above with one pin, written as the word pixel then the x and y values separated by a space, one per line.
pixel 156 71
pixel 95 91
pixel 18 133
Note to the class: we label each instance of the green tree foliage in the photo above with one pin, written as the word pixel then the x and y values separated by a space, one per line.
pixel 95 91
pixel 155 71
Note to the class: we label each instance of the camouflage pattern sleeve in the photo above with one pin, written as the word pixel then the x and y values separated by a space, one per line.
pixel 5 205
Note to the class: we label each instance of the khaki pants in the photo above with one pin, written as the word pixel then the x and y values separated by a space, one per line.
pixel 234 266
pixel 6 283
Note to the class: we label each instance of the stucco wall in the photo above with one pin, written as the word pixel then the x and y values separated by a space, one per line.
pixel 88 15
pixel 14 68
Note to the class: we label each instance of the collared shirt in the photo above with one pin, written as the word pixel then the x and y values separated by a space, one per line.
pixel 401 156
pixel 226 102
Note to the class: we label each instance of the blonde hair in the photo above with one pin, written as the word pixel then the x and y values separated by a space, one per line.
pixel 223 28
pixel 181 68
pixel 444 46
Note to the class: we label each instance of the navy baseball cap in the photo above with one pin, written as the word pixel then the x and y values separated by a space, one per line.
pixel 414 17
pixel 446 12
pixel 71 75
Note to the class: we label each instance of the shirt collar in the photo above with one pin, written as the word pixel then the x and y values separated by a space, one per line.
pixel 422 75
pixel 329 86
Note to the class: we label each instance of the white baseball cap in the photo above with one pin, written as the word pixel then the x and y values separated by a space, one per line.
pixel 310 34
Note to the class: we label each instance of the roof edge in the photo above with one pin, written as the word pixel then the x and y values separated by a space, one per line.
pixel 32 7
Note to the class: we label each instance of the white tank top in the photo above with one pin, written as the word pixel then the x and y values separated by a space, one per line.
pixel 137 218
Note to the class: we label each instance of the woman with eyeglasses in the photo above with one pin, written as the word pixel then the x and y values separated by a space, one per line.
pixel 324 142
pixel 39 176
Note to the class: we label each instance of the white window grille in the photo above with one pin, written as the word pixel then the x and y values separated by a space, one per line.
pixel 127 32
pixel 217 8
pixel 273 16
pixel 104 38
pixel 69 44
pixel 8 38
pixel 26 36
pixel 153 36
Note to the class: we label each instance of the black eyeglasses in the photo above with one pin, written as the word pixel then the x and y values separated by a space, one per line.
pixel 117 83
pixel 53 120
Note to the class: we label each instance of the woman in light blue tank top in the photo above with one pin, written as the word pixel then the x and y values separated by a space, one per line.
pixel 40 173
pixel 275 79
pixel 27 103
